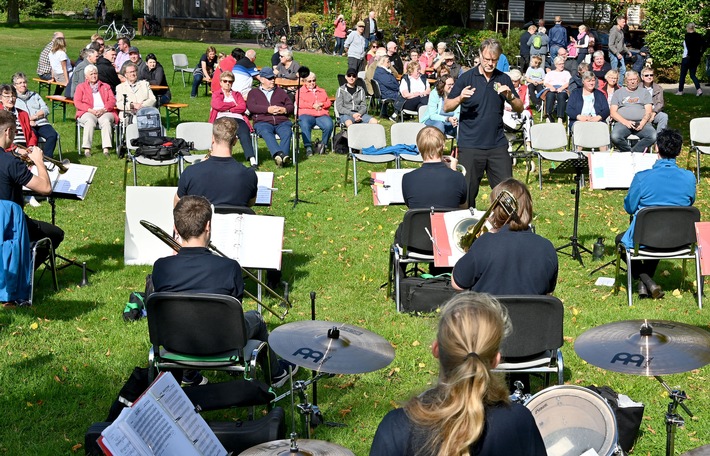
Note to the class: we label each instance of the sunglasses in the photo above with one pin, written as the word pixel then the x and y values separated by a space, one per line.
pixel 310 80
pixel 647 75
pixel 228 80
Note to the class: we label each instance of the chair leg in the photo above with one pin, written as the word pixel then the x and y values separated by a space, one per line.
pixel 355 175
pixel 698 278
pixel 682 277
pixel 629 278
pixel 539 170
pixel 135 176
pixel 618 267
pixel 347 165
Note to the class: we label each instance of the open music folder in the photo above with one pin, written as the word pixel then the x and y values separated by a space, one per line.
pixel 443 227
pixel 162 421
pixel 617 169
pixel 265 188
pixel 387 187
pixel 74 184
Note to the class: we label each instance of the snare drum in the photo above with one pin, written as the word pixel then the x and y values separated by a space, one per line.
pixel 573 420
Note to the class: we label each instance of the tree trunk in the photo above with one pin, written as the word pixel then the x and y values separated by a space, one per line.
pixel 13 12
pixel 489 21
pixel 127 10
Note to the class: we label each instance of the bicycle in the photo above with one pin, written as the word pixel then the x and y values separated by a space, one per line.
pixel 293 36
pixel 109 31
pixel 317 40
pixel 267 37
pixel 464 57
pixel 151 26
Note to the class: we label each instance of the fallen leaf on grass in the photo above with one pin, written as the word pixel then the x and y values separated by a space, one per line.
pixel 108 352
pixel 416 343
pixel 34 325
pixel 57 379
pixel 76 447
pixel 422 365
pixel 80 330
pixel 344 412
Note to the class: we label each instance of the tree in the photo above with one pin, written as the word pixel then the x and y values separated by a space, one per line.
pixel 665 23
pixel 127 11
pixel 13 12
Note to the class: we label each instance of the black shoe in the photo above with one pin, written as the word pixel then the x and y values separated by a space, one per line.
pixel 286 160
pixel 643 291
pixel 279 159
pixel 320 149
pixel 653 288
pixel 255 166
pixel 309 151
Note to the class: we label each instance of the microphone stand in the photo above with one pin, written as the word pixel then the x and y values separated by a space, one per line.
pixel 122 149
pixel 303 72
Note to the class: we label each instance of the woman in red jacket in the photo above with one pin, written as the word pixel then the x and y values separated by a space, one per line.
pixel 92 110
pixel 339 33
pixel 227 103
pixel 24 135
pixel 313 103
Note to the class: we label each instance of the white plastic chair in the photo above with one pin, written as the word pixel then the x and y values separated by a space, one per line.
pixel 181 65
pixel 549 142
pixel 200 134
pixel 361 136
pixel 132 133
pixel 590 136
pixel 700 140
pixel 406 133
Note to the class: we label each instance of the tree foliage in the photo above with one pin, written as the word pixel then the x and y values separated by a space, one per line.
pixel 665 22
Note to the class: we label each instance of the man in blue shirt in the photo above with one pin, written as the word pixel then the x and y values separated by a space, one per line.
pixel 663 185
pixel 482 92
pixel 558 36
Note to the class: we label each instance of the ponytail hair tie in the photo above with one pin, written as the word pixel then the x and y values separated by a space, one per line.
pixel 473 355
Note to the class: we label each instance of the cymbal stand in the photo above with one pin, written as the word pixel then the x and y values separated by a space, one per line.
pixel 310 413
pixel 673 420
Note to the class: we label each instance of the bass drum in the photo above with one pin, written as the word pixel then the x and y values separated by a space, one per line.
pixel 573 420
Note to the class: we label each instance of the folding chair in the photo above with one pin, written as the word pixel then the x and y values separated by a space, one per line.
pixel 662 233
pixel 132 133
pixel 255 143
pixel 115 135
pixel 535 346
pixel 379 101
pixel 406 133
pixel 546 140
pixel 215 338
pixel 699 140
pixel 200 134
pixel 361 136
pixel 180 65
pixel 590 136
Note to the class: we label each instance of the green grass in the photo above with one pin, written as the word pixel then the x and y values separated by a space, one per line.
pixel 63 361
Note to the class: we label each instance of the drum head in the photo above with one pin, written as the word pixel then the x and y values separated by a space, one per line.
pixel 573 420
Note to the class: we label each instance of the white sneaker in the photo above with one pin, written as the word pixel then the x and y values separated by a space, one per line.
pixel 679 93
pixel 34 202
pixel 699 92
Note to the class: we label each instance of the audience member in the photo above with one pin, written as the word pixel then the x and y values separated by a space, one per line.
pixel 270 107
pixel 581 43
pixel 510 259
pixel 244 73
pixel 448 61
pixel 600 67
pixel 227 63
pixel 356 47
pixel 693 46
pixel 313 109
pixel 617 48
pixel 227 102
pixel 556 82
pixel 37 110
pixel 468 411
pixel 503 65
pixel 133 94
pixel 374 47
pixel 204 69
pixel 658 117
pixel 276 57
pixel 24 134
pixel 575 81
pixel 522 120
pixel 395 59
pixel 525 47
pixel 665 184
pixel 155 75
pixel 60 63
pixel 95 104
pixel 435 116
pixel 91 56
pixel 134 57
pixel 124 45
pixel 414 88
pixel 631 109
pixel 44 68
pixel 535 76
pixel 370 31
pixel 426 60
pixel 107 71
pixel 339 33
pixel 389 87
pixel 587 103
pixel 287 68
pixel 558 36
pixel 570 63
pixel 372 67
pixel 538 43
pixel 351 101
pixel 611 84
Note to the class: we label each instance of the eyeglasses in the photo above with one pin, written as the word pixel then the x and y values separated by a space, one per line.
pixel 8 97
pixel 228 80
pixel 350 75
pixel 21 83
pixel 310 80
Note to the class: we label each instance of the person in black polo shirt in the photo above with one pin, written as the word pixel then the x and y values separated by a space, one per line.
pixel 220 178
pixel 511 259
pixel 482 92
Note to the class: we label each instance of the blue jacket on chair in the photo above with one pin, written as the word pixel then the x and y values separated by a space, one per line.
pixel 16 253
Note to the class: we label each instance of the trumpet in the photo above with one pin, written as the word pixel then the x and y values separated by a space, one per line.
pixel 62 166
pixel 472 232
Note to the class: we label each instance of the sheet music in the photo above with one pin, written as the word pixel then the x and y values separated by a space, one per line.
pixel 388 187
pixel 702 233
pixel 75 182
pixel 255 241
pixel 617 169
pixel 265 188
pixel 446 250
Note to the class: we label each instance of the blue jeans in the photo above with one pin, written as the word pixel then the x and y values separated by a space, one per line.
pixel 197 78
pixel 688 68
pixel 445 127
pixel 50 136
pixel 620 134
pixel 339 45
pixel 307 123
pixel 244 135
pixel 269 132
pixel 620 65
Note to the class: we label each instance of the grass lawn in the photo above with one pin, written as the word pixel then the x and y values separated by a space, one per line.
pixel 63 360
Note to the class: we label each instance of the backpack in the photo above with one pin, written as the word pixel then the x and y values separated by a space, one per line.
pixel 340 143
pixel 161 148
pixel 537 41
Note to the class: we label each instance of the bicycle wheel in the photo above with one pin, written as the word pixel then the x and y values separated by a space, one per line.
pixel 145 31
pixel 297 43
pixel 130 32
pixel 311 44
pixel 106 32
pixel 325 45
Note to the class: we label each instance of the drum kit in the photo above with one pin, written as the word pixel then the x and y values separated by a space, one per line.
pixel 326 348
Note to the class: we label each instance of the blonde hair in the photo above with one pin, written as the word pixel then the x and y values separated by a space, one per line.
pixel 411 66
pixel 59 44
pixel 430 142
pixel 452 414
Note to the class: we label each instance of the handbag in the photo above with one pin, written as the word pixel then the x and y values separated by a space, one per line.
pixel 425 295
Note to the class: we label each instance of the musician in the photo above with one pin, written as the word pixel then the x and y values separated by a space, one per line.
pixel 220 178
pixel 663 185
pixel 468 411
pixel 14 174
pixel 510 259
pixel 196 270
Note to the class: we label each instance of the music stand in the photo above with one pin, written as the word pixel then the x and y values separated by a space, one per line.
pixel 579 167
pixel 303 72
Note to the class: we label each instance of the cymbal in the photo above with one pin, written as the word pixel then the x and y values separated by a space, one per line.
pixel 305 447
pixel 333 348
pixel 629 347
pixel 701 451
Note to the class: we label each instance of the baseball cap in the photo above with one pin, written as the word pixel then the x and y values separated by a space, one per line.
pixel 351 72
pixel 133 49
pixel 267 72
pixel 360 24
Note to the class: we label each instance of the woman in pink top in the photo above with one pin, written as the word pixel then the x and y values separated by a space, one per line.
pixel 557 82
pixel 340 33
pixel 426 60
pixel 312 104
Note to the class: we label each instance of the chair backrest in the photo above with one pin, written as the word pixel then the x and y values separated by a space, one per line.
pixel 341 80
pixel 361 75
pixel 227 209
pixel 548 136
pixel 180 61
pixel 197 324
pixel 537 325
pixel 666 227
pixel 413 230
pixel 131 133
pixel 591 135
pixel 700 132
pixel 363 135
pixel 422 111
pixel 199 133
pixel 376 93
pixel 405 133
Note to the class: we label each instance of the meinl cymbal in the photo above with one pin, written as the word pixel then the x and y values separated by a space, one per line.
pixel 333 348
pixel 305 447
pixel 645 347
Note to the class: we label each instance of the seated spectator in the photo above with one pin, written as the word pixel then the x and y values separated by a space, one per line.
pixel 510 259
pixel 512 119
pixel 229 103
pixel 37 110
pixel 658 117
pixel 60 63
pixel 448 61
pixel 95 105
pixel 374 47
pixel 413 57
pixel 570 63
pixel 395 59
pixel 134 56
pixel 204 69
pixel 351 101
pixel 503 64
pixel 133 94
pixel 282 40
pixel 107 72
pixel 631 109
pixel 600 67
pixel 535 75
pixel 90 58
pixel 426 60
pixel 44 68
pixel 440 51
pixel 226 63
pixel 587 104
pixel 196 270
pixel 556 82
pixel 313 109
pixel 155 75
pixel 24 134
pixel 389 87
pixel 576 81
pixel 244 73
pixel 538 43
pixel 467 346
pixel 435 116
pixel 663 185
pixel 270 107
pixel 611 84
pixel 287 68
pixel 372 67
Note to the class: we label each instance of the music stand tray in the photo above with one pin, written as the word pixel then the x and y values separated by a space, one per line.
pixel 579 167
